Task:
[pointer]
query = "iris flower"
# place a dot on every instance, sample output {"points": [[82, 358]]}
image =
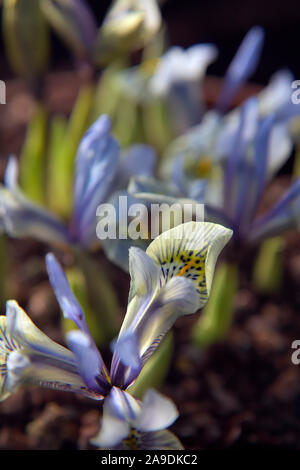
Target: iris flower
{"points": [[175, 78], [226, 161], [173, 278], [233, 198], [99, 170]]}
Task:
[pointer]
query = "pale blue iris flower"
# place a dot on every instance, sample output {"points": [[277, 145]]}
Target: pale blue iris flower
{"points": [[173, 278], [100, 169], [176, 78], [256, 147], [226, 161]]}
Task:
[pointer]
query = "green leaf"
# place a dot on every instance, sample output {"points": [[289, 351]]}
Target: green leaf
{"points": [[157, 125], [268, 268], [296, 169], [216, 317], [62, 168], [32, 159], [155, 370], [26, 38], [107, 93], [57, 132], [102, 296]]}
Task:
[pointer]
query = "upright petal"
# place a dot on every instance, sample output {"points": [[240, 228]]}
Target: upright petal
{"points": [[242, 66], [177, 283], [177, 80], [84, 346], [67, 301], [96, 168], [190, 250]]}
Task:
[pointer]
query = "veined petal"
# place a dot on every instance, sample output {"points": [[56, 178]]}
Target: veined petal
{"points": [[29, 357], [145, 279], [151, 320], [89, 362], [158, 412], [126, 349], [96, 168], [119, 409], [71, 309], [21, 218], [144, 272], [178, 297], [190, 250], [23, 331], [186, 257]]}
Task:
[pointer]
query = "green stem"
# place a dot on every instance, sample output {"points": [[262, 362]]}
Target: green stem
{"points": [[216, 318], [102, 297], [267, 274]]}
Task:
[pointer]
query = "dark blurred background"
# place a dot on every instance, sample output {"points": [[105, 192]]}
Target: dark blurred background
{"points": [[221, 22]]}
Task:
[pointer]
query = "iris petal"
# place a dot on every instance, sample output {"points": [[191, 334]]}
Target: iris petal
{"points": [[178, 284], [190, 250], [71, 309], [242, 66], [158, 412], [96, 168], [89, 362], [68, 303], [21, 218], [119, 410], [29, 357]]}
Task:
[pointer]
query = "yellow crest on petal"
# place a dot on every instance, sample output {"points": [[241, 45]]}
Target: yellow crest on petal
{"points": [[190, 250]]}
